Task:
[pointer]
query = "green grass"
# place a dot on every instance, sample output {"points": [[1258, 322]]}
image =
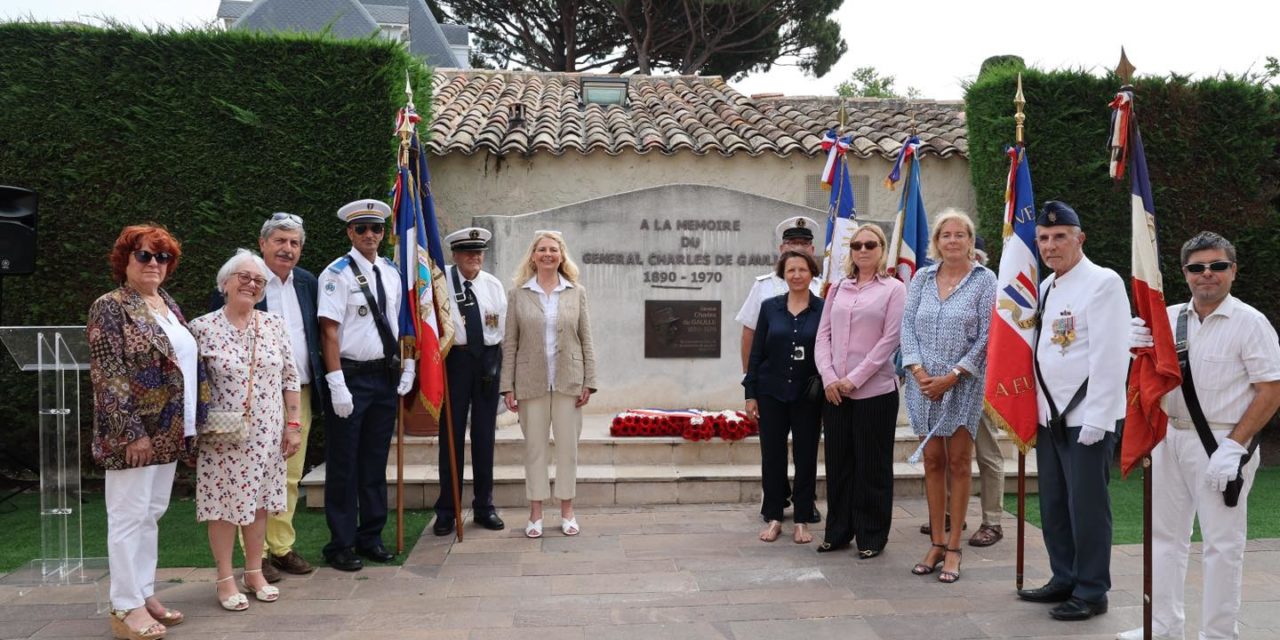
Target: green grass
{"points": [[1126, 507], [183, 541]]}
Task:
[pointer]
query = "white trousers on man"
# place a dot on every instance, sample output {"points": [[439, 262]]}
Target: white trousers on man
{"points": [[1179, 495], [136, 498]]}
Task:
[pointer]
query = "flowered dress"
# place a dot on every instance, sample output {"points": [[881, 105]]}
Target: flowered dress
{"points": [[233, 481]]}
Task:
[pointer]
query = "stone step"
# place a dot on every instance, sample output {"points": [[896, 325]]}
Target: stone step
{"points": [[635, 484]]}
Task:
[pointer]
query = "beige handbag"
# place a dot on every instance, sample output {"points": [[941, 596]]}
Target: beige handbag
{"points": [[231, 427]]}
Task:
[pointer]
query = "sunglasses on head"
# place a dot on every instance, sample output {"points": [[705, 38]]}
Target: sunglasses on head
{"points": [[143, 256], [1199, 267], [376, 228], [869, 245], [286, 216]]}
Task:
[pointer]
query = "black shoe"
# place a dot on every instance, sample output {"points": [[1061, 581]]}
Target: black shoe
{"points": [[490, 521], [377, 553], [828, 547], [867, 554], [1077, 609], [814, 519], [344, 560], [1049, 593], [443, 525]]}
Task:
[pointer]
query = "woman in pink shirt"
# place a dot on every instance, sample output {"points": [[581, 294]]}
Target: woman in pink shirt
{"points": [[857, 336]]}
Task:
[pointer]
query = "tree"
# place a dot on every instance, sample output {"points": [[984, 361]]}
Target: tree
{"points": [[724, 37], [866, 82]]}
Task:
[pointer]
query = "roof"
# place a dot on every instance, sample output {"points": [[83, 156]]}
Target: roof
{"points": [[233, 8], [472, 112], [457, 34], [386, 14]]}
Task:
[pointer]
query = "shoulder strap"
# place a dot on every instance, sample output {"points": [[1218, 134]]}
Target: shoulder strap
{"points": [[1035, 359], [1188, 384], [459, 295], [379, 319]]}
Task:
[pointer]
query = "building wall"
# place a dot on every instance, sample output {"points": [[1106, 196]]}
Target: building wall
{"points": [[485, 184]]}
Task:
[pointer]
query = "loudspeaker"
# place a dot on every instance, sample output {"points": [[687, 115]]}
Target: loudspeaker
{"points": [[17, 231]]}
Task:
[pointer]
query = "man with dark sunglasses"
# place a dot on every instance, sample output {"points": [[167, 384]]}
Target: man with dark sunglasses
{"points": [[359, 322], [1233, 357]]}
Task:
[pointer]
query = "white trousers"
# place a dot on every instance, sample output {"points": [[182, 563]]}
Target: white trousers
{"points": [[540, 419], [1179, 496], [136, 498]]}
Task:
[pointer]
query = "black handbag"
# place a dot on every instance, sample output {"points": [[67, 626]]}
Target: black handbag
{"points": [[813, 390]]}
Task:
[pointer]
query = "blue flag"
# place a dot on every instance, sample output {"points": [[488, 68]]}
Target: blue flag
{"points": [[910, 242], [841, 211]]}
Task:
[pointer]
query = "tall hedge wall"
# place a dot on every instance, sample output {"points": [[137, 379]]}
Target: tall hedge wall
{"points": [[207, 133], [1213, 149]]}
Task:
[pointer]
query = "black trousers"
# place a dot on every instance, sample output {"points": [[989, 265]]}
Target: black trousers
{"points": [[1075, 510], [355, 454], [473, 390], [800, 418], [859, 451]]}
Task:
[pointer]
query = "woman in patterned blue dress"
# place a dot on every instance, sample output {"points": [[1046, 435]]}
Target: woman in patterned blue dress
{"points": [[944, 347]]}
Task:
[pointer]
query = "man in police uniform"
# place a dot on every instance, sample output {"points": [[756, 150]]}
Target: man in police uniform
{"points": [[1235, 369], [1080, 361], [479, 313], [794, 234], [359, 308]]}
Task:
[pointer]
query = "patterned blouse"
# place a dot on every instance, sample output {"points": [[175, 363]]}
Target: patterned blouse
{"points": [[942, 334]]}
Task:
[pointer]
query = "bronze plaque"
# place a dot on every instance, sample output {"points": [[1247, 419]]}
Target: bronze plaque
{"points": [[682, 328]]}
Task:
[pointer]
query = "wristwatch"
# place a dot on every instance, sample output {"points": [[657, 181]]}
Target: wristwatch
{"points": [[959, 373]]}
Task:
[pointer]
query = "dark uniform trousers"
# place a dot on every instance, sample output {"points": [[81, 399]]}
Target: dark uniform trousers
{"points": [[1075, 510], [859, 456], [802, 419], [356, 448], [473, 388]]}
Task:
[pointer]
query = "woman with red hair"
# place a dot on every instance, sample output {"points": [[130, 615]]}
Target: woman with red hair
{"points": [[149, 392]]}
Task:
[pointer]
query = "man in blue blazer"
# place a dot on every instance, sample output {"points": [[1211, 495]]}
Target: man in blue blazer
{"points": [[291, 293]]}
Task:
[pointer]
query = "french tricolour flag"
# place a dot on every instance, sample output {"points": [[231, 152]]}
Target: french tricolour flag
{"points": [[910, 241]]}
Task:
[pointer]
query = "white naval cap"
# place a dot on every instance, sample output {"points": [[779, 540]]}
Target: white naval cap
{"points": [[795, 228], [469, 239], [364, 211]]}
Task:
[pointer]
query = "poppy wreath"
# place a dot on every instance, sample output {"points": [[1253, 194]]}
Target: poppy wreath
{"points": [[690, 424]]}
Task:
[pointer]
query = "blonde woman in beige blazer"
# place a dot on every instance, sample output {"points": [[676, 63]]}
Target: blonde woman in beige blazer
{"points": [[547, 314]]}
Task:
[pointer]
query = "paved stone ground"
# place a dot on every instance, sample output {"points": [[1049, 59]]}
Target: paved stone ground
{"points": [[669, 572]]}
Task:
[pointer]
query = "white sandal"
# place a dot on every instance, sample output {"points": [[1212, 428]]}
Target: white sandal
{"points": [[236, 602], [265, 594], [570, 527], [533, 529]]}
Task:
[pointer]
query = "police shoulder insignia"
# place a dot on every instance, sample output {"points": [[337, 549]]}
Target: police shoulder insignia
{"points": [[338, 265], [330, 287]]}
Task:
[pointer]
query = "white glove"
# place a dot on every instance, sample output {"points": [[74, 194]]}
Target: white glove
{"points": [[339, 395], [1139, 334], [1090, 435], [406, 378], [1224, 464]]}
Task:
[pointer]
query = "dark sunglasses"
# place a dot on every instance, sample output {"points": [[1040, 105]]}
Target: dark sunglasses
{"points": [[143, 256], [870, 245], [376, 228], [1199, 267]]}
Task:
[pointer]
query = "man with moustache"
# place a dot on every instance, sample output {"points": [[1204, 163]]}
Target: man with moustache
{"points": [[1233, 357], [1080, 362], [359, 307], [479, 313], [291, 293]]}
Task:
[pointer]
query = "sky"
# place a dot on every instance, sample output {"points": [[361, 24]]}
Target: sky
{"points": [[932, 45]]}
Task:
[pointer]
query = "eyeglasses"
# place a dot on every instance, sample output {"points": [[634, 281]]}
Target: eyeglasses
{"points": [[1216, 267], [869, 245], [280, 215], [143, 256], [376, 228], [247, 278]]}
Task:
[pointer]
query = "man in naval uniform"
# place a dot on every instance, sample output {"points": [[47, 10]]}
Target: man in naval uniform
{"points": [[479, 313], [359, 307], [1081, 358], [794, 234], [1234, 360]]}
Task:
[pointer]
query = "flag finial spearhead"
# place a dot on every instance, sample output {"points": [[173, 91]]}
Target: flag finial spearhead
{"points": [[1125, 68], [1019, 118]]}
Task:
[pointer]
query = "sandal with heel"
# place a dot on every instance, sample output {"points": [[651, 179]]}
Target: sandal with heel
{"points": [[122, 631], [922, 569], [265, 594], [234, 602], [950, 577]]}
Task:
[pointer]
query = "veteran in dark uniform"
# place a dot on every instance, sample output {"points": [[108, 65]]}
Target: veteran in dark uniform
{"points": [[1081, 358], [479, 313], [358, 308]]}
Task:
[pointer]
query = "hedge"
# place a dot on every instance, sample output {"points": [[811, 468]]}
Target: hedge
{"points": [[206, 132], [1213, 150]]}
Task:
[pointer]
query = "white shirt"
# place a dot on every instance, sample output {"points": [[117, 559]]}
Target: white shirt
{"points": [[767, 286], [550, 311], [282, 299], [1233, 348], [185, 350], [492, 299], [1090, 303], [342, 301]]}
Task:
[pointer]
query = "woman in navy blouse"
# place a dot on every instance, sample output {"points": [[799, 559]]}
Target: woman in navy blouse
{"points": [[778, 374]]}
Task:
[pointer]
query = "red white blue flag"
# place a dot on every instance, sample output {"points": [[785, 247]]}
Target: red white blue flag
{"points": [[1010, 390], [910, 242], [841, 211]]}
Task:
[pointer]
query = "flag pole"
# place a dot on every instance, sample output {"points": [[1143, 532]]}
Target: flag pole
{"points": [[405, 352], [1019, 119]]}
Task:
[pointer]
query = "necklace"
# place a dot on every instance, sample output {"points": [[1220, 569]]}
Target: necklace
{"points": [[158, 308]]}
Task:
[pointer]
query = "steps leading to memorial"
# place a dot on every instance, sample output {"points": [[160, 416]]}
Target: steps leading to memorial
{"points": [[639, 470]]}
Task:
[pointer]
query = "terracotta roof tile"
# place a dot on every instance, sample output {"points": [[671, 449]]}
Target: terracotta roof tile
{"points": [[671, 114]]}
